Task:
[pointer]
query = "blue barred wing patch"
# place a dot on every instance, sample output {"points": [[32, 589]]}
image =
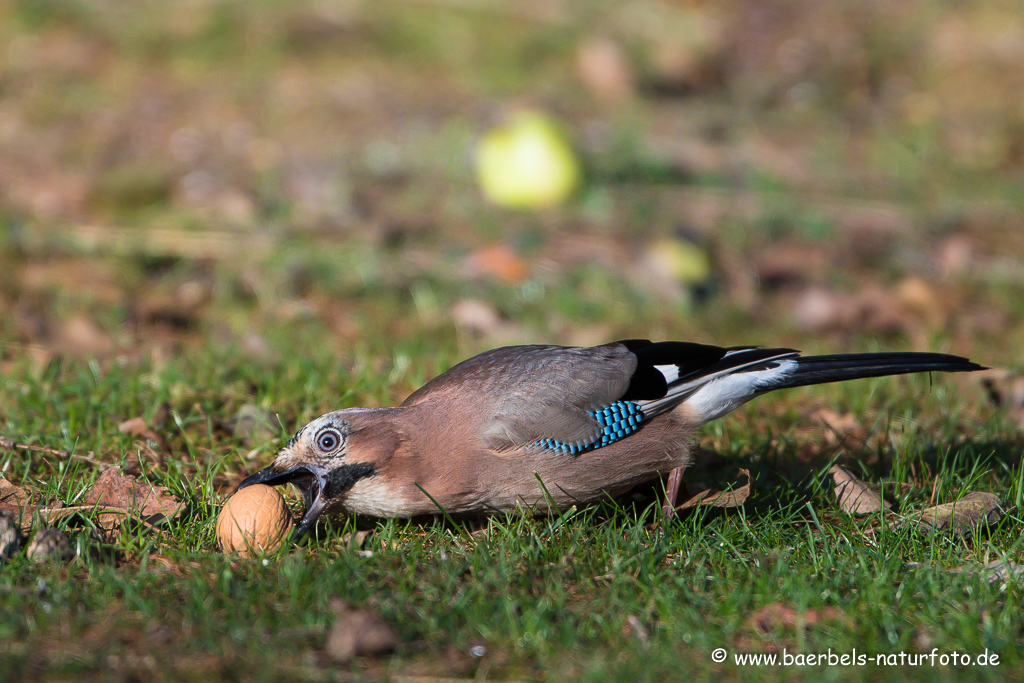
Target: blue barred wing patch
{"points": [[618, 420]]}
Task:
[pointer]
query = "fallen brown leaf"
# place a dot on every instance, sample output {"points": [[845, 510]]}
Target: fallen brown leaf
{"points": [[13, 497], [720, 499], [137, 426], [357, 632], [18, 501], [118, 490], [963, 516], [109, 515], [122, 495], [50, 515], [855, 497]]}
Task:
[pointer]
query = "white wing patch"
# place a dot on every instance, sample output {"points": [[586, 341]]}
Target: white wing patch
{"points": [[671, 372], [728, 392]]}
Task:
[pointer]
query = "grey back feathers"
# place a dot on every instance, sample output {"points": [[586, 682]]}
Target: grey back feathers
{"points": [[522, 395], [529, 393]]}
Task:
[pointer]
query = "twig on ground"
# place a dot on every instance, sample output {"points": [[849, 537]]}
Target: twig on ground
{"points": [[90, 457]]}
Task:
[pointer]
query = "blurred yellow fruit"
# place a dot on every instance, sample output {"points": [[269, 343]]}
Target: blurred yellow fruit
{"points": [[527, 163], [680, 260]]}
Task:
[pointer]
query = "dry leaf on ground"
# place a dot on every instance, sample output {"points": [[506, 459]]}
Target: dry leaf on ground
{"points": [[18, 501], [50, 515], [137, 426], [13, 497], [114, 496], [963, 516], [123, 495], [720, 499], [357, 632], [854, 496]]}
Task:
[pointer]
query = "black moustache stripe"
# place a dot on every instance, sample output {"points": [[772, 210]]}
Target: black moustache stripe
{"points": [[341, 479]]}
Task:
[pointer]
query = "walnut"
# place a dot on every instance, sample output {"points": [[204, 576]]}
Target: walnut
{"points": [[254, 520]]}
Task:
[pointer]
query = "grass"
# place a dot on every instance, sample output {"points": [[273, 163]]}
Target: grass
{"points": [[327, 154], [594, 594]]}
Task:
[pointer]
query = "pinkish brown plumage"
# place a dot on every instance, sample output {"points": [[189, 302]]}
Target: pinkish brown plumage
{"points": [[587, 422]]}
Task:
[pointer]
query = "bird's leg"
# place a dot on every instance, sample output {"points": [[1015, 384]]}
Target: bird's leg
{"points": [[675, 484]]}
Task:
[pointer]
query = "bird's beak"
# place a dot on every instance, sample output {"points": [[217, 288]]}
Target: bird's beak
{"points": [[308, 480]]}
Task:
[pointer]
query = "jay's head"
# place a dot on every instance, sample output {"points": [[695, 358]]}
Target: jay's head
{"points": [[325, 460]]}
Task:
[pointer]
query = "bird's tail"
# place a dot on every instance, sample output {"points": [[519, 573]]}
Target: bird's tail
{"points": [[743, 373]]}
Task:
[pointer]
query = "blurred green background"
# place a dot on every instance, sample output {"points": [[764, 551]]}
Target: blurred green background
{"points": [[823, 174]]}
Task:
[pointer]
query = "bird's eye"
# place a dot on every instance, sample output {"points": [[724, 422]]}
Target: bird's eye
{"points": [[328, 440]]}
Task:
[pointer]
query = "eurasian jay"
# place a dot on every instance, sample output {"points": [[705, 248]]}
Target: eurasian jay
{"points": [[586, 422]]}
